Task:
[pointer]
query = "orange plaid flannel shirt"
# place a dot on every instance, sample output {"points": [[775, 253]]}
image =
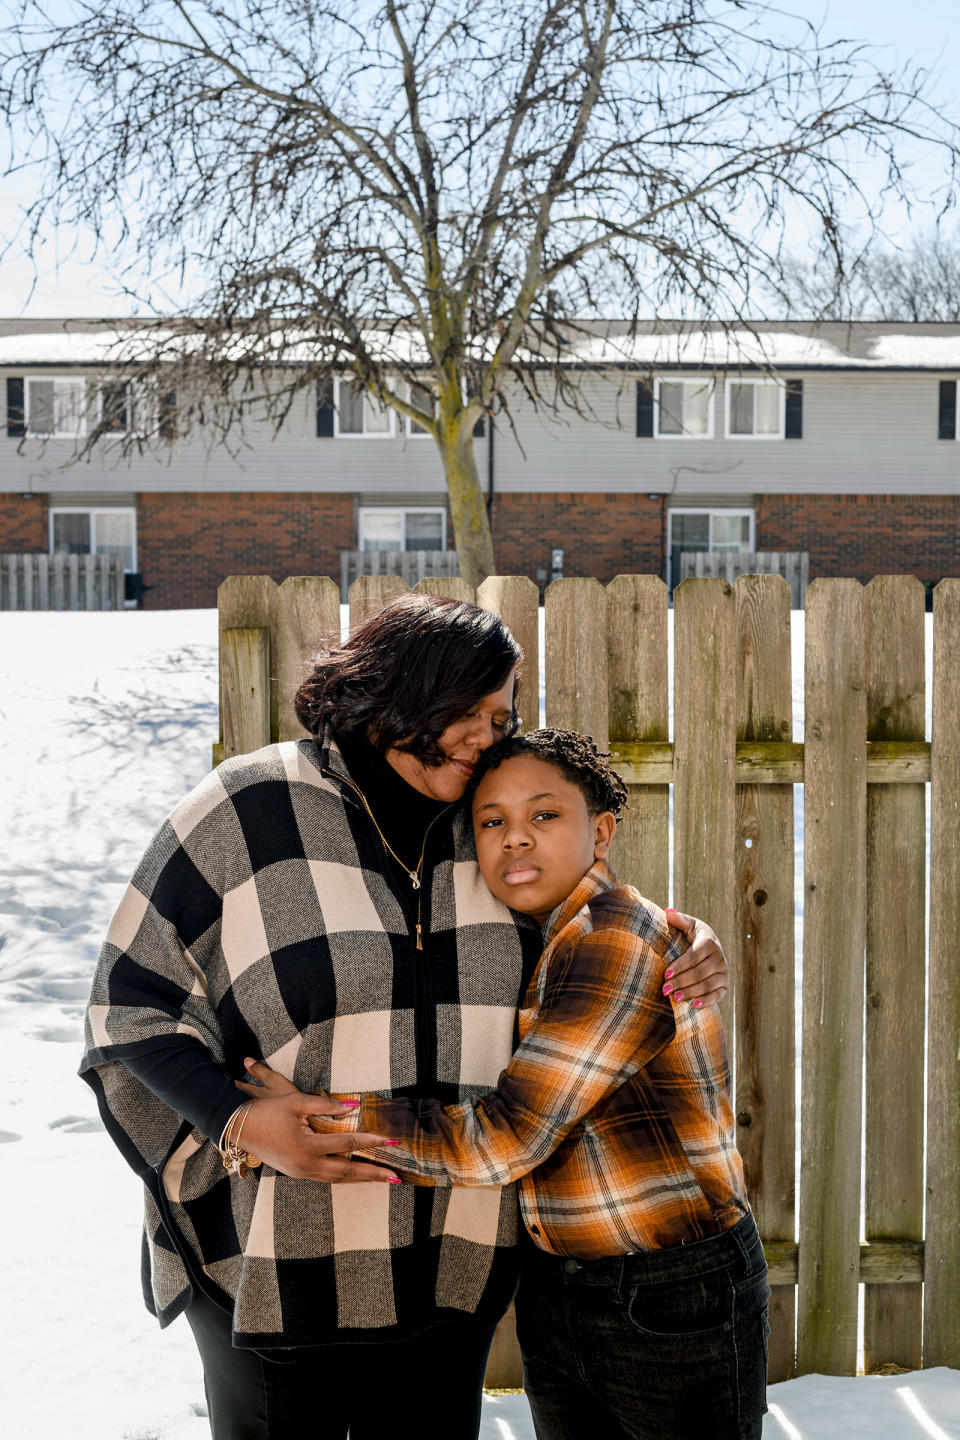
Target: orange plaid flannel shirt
{"points": [[614, 1113]]}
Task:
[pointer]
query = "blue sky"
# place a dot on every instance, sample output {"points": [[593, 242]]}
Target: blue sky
{"points": [[922, 30]]}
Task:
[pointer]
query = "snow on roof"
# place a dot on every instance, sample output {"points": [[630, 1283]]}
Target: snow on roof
{"points": [[779, 345]]}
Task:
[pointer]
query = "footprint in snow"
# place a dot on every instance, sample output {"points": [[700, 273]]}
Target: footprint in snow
{"points": [[77, 1124]]}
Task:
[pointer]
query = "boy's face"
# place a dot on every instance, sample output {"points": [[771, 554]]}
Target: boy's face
{"points": [[535, 837]]}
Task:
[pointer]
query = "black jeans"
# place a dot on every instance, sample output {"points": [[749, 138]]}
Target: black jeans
{"points": [[665, 1345], [330, 1391]]}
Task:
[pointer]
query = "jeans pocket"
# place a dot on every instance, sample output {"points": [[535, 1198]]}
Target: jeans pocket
{"points": [[695, 1308]]}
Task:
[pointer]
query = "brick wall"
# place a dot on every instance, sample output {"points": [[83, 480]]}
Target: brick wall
{"points": [[859, 536], [600, 535], [188, 543], [23, 525]]}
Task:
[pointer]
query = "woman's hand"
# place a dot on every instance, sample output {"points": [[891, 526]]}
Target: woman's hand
{"points": [[701, 974], [277, 1130]]}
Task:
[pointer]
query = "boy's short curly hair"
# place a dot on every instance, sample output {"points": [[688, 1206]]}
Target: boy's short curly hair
{"points": [[575, 755]]}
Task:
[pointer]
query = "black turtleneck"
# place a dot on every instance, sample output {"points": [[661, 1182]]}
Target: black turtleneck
{"points": [[402, 813]]}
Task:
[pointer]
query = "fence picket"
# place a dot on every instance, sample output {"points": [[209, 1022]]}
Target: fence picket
{"points": [[246, 689], [576, 657], [835, 798], [639, 710], [308, 612], [73, 582], [515, 599], [450, 587], [88, 577], [896, 872], [249, 602], [941, 1312], [369, 593], [59, 582], [705, 736], [765, 1043], [43, 582]]}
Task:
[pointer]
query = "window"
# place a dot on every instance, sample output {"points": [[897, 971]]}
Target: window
{"points": [[359, 413], [423, 398], [683, 409], [708, 531], [947, 427], [418, 528], [57, 407], [116, 407], [755, 409], [78, 531]]}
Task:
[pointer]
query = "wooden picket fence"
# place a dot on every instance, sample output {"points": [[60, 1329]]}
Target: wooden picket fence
{"points": [[61, 582], [729, 565], [732, 765]]}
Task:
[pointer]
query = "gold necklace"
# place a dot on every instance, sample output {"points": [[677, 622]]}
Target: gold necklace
{"points": [[413, 875]]}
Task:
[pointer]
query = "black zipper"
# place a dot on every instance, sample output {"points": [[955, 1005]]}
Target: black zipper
{"points": [[424, 1010]]}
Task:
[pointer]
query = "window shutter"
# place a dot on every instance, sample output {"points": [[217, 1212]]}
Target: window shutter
{"points": [[947, 426], [325, 410], [167, 415], [16, 420], [644, 411], [793, 414]]}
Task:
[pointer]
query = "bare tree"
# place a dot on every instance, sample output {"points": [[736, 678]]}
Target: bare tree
{"points": [[436, 198], [920, 282]]}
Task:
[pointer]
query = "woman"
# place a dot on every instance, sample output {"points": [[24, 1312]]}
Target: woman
{"points": [[317, 905]]}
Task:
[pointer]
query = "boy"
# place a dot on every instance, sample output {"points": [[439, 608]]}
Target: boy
{"points": [[642, 1305]]}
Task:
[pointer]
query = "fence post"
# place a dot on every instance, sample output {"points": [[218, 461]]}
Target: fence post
{"points": [[246, 690], [941, 1312], [308, 612], [896, 874], [576, 656], [639, 710], [835, 801], [765, 1039], [516, 600], [704, 791]]}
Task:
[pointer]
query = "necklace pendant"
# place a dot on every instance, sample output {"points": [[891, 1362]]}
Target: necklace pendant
{"points": [[414, 879]]}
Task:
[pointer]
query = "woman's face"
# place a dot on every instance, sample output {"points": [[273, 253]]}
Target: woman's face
{"points": [[460, 744]]}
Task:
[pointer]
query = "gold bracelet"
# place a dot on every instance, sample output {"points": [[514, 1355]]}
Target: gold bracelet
{"points": [[239, 1161]]}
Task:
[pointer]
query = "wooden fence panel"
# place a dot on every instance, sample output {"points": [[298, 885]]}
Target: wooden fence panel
{"points": [[308, 612], [705, 737], [896, 874], [246, 690], [369, 593], [941, 1307], [516, 599], [835, 798], [249, 602], [639, 711], [576, 657], [765, 1037]]}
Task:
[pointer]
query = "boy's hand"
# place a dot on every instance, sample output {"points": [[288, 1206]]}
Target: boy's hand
{"points": [[701, 974]]}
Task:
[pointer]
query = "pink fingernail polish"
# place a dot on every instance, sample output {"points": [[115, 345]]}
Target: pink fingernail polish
{"points": [[667, 989], [391, 1142], [350, 1104], [668, 974], [697, 1004], [395, 1181], [679, 995]]}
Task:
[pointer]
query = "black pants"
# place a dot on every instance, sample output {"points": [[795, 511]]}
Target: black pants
{"points": [[328, 1392], [669, 1345]]}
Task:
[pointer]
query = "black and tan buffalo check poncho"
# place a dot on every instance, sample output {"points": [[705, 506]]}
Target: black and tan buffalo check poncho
{"points": [[263, 921]]}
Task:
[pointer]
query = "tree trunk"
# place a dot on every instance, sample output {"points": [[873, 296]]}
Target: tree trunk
{"points": [[467, 509]]}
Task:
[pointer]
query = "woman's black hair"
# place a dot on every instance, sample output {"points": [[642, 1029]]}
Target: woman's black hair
{"points": [[575, 755], [407, 673]]}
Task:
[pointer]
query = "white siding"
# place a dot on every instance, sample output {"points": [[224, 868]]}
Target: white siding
{"points": [[863, 433]]}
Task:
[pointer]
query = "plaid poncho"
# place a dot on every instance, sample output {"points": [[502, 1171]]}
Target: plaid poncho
{"points": [[263, 921]]}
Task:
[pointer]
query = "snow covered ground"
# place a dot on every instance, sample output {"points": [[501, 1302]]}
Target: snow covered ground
{"points": [[105, 721]]}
